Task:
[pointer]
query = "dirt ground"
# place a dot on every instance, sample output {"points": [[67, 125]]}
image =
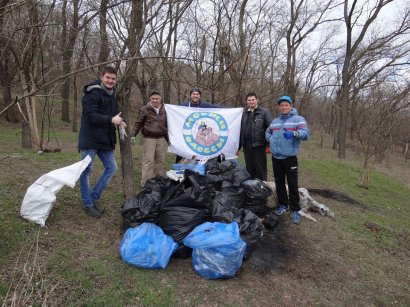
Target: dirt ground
{"points": [[292, 264], [287, 268]]}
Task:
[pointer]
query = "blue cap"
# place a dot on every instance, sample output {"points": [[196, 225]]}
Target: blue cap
{"points": [[284, 98]]}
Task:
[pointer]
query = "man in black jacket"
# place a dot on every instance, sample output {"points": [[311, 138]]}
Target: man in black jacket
{"points": [[195, 101], [99, 120], [255, 121]]}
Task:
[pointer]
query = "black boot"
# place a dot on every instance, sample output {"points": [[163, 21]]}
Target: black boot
{"points": [[92, 211], [98, 207]]}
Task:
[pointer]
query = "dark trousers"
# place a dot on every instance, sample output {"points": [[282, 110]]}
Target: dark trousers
{"points": [[255, 160], [287, 170], [178, 158]]}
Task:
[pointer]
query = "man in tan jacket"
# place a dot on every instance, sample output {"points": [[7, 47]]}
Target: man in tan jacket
{"points": [[152, 122]]}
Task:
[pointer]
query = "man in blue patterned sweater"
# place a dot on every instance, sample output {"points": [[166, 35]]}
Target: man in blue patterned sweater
{"points": [[284, 135]]}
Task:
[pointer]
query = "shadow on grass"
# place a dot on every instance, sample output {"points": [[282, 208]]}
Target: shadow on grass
{"points": [[339, 196]]}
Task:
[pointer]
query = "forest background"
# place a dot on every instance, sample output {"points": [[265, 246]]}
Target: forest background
{"points": [[346, 64]]}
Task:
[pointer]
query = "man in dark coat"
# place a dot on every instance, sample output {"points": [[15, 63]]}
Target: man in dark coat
{"points": [[97, 137], [255, 120], [195, 100]]}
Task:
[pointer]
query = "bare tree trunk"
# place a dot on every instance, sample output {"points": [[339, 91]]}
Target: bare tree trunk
{"points": [[322, 133], [78, 64], [69, 36], [330, 124], [124, 91], [12, 114], [30, 110], [288, 77], [335, 134], [343, 103], [75, 104], [65, 96], [365, 178], [7, 67], [179, 91], [25, 135], [127, 165], [355, 36], [103, 55], [406, 150]]}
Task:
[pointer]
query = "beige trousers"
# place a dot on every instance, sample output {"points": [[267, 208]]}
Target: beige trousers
{"points": [[153, 158]]}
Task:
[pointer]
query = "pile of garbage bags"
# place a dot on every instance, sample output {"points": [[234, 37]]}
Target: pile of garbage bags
{"points": [[223, 207]]}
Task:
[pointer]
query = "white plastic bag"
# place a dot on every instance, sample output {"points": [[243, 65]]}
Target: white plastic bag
{"points": [[41, 195]]}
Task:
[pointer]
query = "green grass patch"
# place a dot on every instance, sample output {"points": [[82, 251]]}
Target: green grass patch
{"points": [[334, 261], [386, 199]]}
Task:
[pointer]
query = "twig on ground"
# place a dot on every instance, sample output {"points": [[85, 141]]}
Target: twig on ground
{"points": [[30, 286]]}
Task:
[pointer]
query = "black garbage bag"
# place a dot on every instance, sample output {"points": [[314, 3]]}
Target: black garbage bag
{"points": [[183, 252], [240, 174], [250, 229], [257, 193], [161, 184], [270, 221], [174, 192], [207, 180], [144, 207], [178, 221], [224, 202], [226, 170], [217, 168], [184, 208]]}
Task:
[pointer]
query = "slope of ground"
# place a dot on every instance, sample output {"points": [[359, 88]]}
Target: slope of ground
{"points": [[74, 260]]}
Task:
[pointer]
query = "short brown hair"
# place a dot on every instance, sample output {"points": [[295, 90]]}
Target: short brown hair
{"points": [[251, 94], [154, 92], [108, 70]]}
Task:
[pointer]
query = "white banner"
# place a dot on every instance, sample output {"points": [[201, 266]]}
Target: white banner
{"points": [[203, 133]]}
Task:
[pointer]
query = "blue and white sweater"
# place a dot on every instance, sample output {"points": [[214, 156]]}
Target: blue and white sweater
{"points": [[280, 147]]}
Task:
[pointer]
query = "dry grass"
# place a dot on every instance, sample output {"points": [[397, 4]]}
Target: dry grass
{"points": [[74, 261]]}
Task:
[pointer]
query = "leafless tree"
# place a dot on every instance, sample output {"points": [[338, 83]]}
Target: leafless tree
{"points": [[360, 49], [226, 47], [104, 50], [70, 30], [166, 38], [8, 68], [242, 30], [75, 17], [379, 109], [305, 16], [135, 35], [141, 14], [25, 52]]}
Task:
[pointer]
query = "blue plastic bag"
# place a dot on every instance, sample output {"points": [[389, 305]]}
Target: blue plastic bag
{"points": [[212, 234], [217, 249], [219, 262], [199, 168], [146, 246]]}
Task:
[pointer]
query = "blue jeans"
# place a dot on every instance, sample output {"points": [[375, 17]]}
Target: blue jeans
{"points": [[110, 167]]}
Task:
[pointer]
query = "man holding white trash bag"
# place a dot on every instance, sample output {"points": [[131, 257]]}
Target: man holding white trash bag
{"points": [[99, 120]]}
